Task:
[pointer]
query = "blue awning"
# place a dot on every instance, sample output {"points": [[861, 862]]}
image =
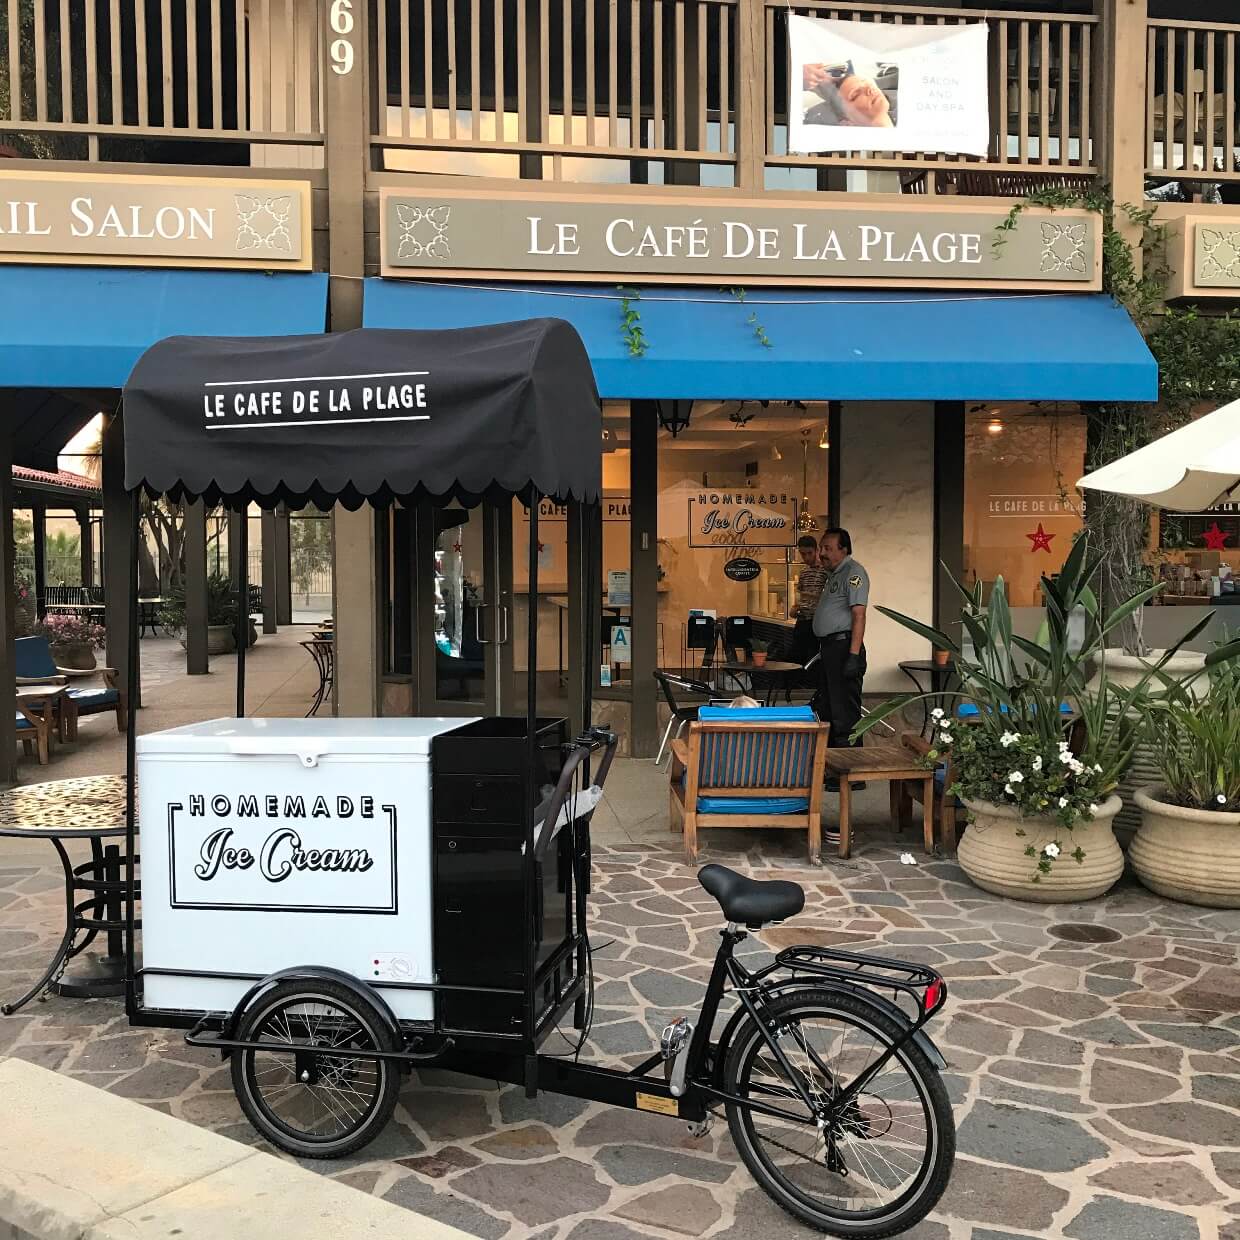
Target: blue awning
{"points": [[85, 327], [824, 344]]}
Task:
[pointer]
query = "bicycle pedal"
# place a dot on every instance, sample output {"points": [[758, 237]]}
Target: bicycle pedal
{"points": [[700, 1127], [674, 1045]]}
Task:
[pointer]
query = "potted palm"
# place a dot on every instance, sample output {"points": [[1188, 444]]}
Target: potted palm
{"points": [[1038, 751], [72, 639], [221, 614], [1188, 844]]}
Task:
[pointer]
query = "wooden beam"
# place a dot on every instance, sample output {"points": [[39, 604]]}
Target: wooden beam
{"points": [[86, 546], [948, 512], [269, 570], [38, 515], [284, 584], [196, 663], [644, 575], [117, 535], [8, 683]]}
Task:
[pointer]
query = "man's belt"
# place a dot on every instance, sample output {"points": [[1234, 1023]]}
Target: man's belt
{"points": [[843, 635]]}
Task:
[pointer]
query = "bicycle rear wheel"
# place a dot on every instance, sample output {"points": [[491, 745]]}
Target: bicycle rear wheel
{"points": [[883, 1164]]}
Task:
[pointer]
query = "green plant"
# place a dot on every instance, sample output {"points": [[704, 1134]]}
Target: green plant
{"points": [[631, 322], [758, 646], [221, 604], [1020, 751], [758, 329], [1196, 741]]}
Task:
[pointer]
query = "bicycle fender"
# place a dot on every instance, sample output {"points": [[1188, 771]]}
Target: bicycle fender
{"points": [[921, 1038], [309, 973]]}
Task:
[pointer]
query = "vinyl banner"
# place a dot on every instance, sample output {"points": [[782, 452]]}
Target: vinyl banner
{"points": [[869, 86]]}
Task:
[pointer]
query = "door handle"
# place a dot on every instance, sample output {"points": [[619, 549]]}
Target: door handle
{"points": [[482, 641], [503, 611]]}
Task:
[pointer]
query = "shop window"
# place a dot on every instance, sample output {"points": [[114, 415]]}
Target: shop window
{"points": [[1022, 510]]}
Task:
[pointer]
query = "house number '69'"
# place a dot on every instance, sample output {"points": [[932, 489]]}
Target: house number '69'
{"points": [[340, 18]]}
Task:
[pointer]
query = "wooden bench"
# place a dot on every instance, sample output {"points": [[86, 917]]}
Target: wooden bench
{"points": [[729, 763]]}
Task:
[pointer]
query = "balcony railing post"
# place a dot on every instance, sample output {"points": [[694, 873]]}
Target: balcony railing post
{"points": [[751, 95], [1121, 102]]}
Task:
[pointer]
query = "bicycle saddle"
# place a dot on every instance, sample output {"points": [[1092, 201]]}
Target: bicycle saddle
{"points": [[748, 901]]}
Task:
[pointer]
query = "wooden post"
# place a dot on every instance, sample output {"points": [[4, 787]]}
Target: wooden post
{"points": [[751, 96], [117, 534], [196, 589], [38, 513], [284, 584], [948, 512], [644, 575], [269, 570], [8, 683], [86, 546], [1120, 107]]}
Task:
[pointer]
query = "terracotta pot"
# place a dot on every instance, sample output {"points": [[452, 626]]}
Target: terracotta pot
{"points": [[78, 656], [941, 657], [759, 658], [992, 854], [1186, 854], [1124, 671]]}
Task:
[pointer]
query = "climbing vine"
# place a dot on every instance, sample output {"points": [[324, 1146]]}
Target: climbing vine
{"points": [[631, 322], [759, 331], [1198, 360]]}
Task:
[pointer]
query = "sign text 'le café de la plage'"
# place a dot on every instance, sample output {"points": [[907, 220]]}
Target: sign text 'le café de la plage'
{"points": [[460, 232], [58, 217]]}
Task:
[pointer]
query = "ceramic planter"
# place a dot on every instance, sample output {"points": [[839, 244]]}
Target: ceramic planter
{"points": [[1124, 671], [992, 854], [1186, 854], [77, 656]]}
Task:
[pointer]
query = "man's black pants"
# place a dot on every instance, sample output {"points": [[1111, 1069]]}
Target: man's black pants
{"points": [[838, 700]]}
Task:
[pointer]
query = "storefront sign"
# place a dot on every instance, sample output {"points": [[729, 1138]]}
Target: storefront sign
{"points": [[66, 217], [459, 232], [742, 519], [873, 86], [614, 508], [282, 853], [742, 569]]}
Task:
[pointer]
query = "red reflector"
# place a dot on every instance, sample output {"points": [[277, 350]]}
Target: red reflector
{"points": [[934, 992]]}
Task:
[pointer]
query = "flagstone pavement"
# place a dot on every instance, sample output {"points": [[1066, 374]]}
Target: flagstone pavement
{"points": [[1096, 1085]]}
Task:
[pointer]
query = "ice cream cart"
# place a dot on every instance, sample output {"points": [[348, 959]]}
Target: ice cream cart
{"points": [[330, 902]]}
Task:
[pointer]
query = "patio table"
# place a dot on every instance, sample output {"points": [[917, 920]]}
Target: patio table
{"points": [[776, 669], [322, 651], [92, 809]]}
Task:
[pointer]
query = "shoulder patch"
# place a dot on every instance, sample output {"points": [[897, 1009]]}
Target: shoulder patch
{"points": [[855, 580]]}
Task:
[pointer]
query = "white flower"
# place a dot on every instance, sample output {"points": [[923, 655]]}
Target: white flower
{"points": [[1063, 802], [946, 723], [1037, 762], [1093, 809], [945, 739], [1009, 790], [907, 859], [1065, 756], [1097, 768], [937, 713], [1051, 850], [1016, 778], [1008, 738], [1222, 800]]}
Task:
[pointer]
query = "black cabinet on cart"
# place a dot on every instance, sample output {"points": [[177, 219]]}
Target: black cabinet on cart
{"points": [[483, 793]]}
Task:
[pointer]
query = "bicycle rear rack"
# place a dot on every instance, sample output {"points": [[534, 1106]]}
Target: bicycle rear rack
{"points": [[923, 984]]}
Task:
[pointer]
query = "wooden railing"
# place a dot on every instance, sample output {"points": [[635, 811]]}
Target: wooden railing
{"points": [[634, 79], [1042, 98], [77, 75], [1191, 109]]}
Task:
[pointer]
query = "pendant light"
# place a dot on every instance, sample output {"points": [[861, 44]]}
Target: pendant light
{"points": [[805, 521]]}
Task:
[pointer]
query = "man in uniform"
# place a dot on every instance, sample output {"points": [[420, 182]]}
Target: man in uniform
{"points": [[839, 625]]}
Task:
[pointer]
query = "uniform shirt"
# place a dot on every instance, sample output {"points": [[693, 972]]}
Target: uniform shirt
{"points": [[810, 585], [847, 587]]}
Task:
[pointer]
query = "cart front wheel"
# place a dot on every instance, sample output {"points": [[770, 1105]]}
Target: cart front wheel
{"points": [[308, 1100]]}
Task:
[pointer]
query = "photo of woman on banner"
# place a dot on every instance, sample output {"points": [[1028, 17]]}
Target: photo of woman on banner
{"points": [[905, 88], [839, 94]]}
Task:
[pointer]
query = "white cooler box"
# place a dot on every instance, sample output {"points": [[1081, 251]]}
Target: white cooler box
{"points": [[269, 843]]}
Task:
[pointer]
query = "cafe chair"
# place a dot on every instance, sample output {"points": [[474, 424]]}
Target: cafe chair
{"points": [[682, 716], [945, 805], [36, 722], [701, 633], [749, 767], [35, 666]]}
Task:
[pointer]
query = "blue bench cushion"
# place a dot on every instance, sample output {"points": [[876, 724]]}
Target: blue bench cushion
{"points": [[94, 699], [755, 714], [967, 710], [23, 722]]}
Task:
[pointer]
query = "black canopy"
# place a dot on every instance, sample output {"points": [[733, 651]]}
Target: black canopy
{"points": [[366, 415]]}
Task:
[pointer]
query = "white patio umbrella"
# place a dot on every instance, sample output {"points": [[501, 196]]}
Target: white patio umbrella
{"points": [[1189, 470]]}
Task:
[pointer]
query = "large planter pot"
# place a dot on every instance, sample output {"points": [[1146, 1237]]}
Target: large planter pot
{"points": [[77, 656], [220, 639], [992, 854], [1124, 671], [1185, 854]]}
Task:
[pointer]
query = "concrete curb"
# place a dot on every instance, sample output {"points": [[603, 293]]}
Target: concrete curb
{"points": [[78, 1163]]}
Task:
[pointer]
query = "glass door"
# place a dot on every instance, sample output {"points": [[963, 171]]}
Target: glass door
{"points": [[463, 634]]}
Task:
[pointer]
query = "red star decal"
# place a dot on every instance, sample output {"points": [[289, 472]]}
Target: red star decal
{"points": [[456, 546], [1041, 540], [1216, 539], [541, 547]]}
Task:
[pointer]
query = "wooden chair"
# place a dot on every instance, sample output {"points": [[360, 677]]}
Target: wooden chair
{"points": [[37, 719], [750, 767], [944, 808], [35, 666]]}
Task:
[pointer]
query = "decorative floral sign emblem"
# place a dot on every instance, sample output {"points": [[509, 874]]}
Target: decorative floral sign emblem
{"points": [[423, 231], [1220, 254], [263, 223], [1063, 247]]}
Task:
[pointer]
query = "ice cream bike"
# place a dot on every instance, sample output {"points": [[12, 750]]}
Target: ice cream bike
{"points": [[330, 903]]}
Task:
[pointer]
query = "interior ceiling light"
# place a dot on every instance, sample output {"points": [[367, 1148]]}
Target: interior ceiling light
{"points": [[995, 426], [823, 441], [776, 454]]}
